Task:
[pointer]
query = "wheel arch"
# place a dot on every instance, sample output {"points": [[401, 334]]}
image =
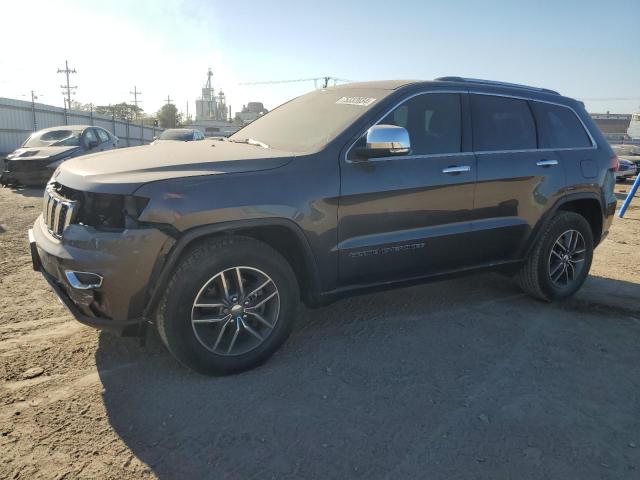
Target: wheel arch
{"points": [[587, 204], [295, 249], [591, 210]]}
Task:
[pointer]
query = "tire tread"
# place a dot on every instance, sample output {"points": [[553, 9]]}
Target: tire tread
{"points": [[528, 278], [191, 259]]}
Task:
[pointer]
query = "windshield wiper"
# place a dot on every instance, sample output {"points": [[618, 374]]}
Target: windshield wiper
{"points": [[251, 141]]}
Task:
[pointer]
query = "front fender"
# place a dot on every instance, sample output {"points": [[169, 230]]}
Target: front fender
{"points": [[166, 265]]}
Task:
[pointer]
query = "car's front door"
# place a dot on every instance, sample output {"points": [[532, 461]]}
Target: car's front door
{"points": [[90, 141], [408, 216], [106, 142]]}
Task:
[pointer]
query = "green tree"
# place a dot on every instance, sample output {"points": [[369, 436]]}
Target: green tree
{"points": [[83, 107], [121, 110], [168, 116]]}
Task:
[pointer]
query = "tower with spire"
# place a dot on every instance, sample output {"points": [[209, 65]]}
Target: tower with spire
{"points": [[211, 106]]}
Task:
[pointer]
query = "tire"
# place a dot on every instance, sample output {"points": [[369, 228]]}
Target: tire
{"points": [[194, 309], [538, 274]]}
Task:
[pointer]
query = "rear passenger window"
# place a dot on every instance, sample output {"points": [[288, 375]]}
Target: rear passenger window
{"points": [[501, 123], [559, 127], [433, 121], [104, 136]]}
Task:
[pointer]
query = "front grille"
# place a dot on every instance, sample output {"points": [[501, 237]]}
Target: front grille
{"points": [[58, 212]]}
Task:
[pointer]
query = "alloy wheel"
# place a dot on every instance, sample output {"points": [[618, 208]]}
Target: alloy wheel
{"points": [[235, 311], [566, 259]]}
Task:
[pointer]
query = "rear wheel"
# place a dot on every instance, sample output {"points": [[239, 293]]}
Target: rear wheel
{"points": [[559, 263], [229, 306]]}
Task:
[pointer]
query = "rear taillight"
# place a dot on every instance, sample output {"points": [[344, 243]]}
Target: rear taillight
{"points": [[615, 163]]}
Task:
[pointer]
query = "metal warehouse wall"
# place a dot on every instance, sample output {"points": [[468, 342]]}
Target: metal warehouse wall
{"points": [[19, 118]]}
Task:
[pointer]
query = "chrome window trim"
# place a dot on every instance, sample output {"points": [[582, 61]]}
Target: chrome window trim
{"points": [[593, 146], [413, 157], [531, 150]]}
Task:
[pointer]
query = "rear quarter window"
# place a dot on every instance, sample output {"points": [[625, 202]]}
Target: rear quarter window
{"points": [[559, 127], [501, 123]]}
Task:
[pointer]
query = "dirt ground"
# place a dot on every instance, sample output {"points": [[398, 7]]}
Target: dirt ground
{"points": [[466, 378]]}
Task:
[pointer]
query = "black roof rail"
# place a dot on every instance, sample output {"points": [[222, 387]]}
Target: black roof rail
{"points": [[493, 82]]}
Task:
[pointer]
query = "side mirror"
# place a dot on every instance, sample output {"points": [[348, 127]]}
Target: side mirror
{"points": [[385, 141]]}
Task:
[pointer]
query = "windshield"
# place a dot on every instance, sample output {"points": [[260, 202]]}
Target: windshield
{"points": [[308, 123], [179, 135], [54, 138]]}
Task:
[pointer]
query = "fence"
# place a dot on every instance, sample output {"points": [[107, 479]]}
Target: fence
{"points": [[18, 119]]}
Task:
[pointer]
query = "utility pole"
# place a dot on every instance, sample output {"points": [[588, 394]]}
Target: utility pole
{"points": [[135, 94], [67, 87], [168, 100], [33, 110]]}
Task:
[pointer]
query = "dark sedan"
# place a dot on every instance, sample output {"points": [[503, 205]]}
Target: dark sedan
{"points": [[35, 161], [179, 135]]}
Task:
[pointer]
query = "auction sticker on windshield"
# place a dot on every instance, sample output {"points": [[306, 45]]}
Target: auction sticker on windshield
{"points": [[360, 101]]}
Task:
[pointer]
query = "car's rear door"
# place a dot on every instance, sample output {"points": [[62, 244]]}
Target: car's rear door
{"points": [[561, 130], [408, 216], [517, 180]]}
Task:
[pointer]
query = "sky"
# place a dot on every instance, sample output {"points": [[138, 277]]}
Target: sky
{"points": [[584, 49]]}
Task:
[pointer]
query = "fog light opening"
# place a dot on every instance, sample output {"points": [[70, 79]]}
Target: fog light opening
{"points": [[83, 280]]}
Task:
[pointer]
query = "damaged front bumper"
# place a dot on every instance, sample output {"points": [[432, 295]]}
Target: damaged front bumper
{"points": [[126, 261], [36, 178]]}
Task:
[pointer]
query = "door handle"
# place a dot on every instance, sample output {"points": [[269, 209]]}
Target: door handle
{"points": [[547, 163], [457, 169]]}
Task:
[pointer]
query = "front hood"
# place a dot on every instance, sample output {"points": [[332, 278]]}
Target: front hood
{"points": [[126, 169], [41, 153]]}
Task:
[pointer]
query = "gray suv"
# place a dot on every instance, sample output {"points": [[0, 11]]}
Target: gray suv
{"points": [[344, 189]]}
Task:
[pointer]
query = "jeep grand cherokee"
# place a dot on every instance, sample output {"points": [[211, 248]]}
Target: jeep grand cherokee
{"points": [[343, 189]]}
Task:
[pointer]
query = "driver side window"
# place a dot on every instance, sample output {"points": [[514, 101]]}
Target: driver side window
{"points": [[90, 136], [433, 120]]}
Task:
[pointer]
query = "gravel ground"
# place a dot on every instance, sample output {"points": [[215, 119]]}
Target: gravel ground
{"points": [[466, 378]]}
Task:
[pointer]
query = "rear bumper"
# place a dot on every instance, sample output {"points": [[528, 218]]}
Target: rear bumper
{"points": [[607, 219], [125, 260]]}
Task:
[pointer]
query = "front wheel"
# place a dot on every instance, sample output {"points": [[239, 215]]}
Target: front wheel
{"points": [[229, 306], [559, 263]]}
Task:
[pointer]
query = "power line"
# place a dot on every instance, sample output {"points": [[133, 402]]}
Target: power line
{"points": [[325, 81], [609, 99], [279, 81], [66, 70]]}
